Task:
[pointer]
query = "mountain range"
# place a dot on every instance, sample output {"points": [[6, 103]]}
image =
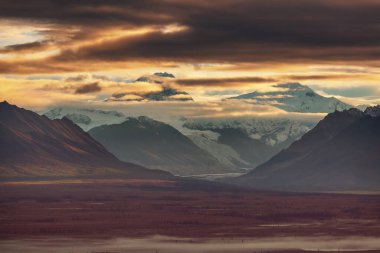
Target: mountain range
{"points": [[253, 140], [159, 136], [157, 145], [340, 154], [295, 97], [233, 143], [205, 146], [36, 146]]}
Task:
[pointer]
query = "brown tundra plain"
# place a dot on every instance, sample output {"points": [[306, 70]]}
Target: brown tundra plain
{"points": [[171, 216]]}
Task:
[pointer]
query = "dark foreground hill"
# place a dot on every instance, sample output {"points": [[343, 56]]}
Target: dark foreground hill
{"points": [[35, 146], [341, 153]]}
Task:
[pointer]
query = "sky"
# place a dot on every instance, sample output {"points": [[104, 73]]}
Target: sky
{"points": [[81, 53]]}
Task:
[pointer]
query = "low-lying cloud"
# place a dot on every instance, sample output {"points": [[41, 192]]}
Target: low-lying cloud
{"points": [[229, 81], [88, 88]]}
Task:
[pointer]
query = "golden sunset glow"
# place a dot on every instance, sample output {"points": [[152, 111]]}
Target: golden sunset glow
{"points": [[184, 126], [212, 57]]}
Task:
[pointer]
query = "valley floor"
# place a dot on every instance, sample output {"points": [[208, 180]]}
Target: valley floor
{"points": [[167, 214]]}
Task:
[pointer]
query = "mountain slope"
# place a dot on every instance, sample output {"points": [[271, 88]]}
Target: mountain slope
{"points": [[225, 154], [33, 145], [156, 145], [252, 141], [340, 153], [295, 97], [250, 150]]}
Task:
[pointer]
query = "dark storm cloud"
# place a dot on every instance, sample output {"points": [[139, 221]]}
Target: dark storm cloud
{"points": [[88, 88], [86, 12], [234, 30]]}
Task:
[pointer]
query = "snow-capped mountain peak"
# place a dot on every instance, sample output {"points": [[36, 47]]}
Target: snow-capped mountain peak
{"points": [[373, 111], [270, 131], [295, 97], [86, 118], [167, 92], [164, 74]]}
